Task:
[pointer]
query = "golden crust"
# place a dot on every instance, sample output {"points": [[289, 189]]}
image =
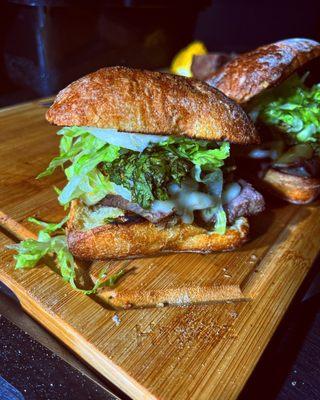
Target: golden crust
{"points": [[251, 73], [145, 239], [148, 102], [295, 189]]}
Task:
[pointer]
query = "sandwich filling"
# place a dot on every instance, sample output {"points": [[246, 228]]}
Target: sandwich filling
{"points": [[121, 177], [289, 119]]}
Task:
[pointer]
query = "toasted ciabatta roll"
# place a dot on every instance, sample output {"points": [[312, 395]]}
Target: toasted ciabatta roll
{"points": [[148, 102], [152, 103], [252, 74], [140, 238], [295, 189]]}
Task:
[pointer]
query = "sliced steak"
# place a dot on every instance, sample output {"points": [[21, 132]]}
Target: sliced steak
{"points": [[248, 202], [114, 200]]}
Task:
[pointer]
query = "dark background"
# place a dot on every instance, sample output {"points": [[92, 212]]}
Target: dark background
{"points": [[46, 44]]}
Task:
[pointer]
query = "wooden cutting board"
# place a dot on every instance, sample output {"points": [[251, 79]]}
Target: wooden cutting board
{"points": [[202, 346]]}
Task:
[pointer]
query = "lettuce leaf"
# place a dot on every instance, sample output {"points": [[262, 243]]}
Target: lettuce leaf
{"points": [[49, 227], [31, 251], [200, 152], [90, 187], [80, 154], [294, 109]]}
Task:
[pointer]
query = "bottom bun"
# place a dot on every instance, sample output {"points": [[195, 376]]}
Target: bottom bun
{"points": [[292, 188], [143, 238]]}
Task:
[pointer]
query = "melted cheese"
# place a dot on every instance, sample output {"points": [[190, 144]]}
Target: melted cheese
{"points": [[185, 199]]}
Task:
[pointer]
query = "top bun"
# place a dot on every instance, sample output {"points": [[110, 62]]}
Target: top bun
{"points": [[148, 102], [249, 74]]}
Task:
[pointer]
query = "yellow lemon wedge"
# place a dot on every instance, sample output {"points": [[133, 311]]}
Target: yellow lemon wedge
{"points": [[181, 64]]}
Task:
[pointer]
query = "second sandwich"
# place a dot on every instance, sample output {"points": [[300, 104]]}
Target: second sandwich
{"points": [[278, 85]]}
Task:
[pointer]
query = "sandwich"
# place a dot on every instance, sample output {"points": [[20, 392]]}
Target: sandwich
{"points": [[278, 86], [146, 156], [147, 161]]}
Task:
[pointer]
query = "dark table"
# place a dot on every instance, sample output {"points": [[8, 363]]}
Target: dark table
{"points": [[35, 366]]}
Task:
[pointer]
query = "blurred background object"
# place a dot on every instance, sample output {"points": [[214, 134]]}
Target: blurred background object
{"points": [[241, 25], [181, 64], [45, 44]]}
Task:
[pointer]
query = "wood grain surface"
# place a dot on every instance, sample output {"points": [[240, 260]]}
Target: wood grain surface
{"points": [[187, 351]]}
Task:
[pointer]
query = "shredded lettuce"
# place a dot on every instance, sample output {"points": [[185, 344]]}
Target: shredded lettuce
{"points": [[294, 109], [82, 152], [199, 152], [31, 251], [90, 187], [141, 176], [137, 167]]}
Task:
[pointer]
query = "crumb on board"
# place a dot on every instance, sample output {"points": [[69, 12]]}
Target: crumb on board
{"points": [[253, 259], [226, 273], [233, 314], [116, 319]]}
